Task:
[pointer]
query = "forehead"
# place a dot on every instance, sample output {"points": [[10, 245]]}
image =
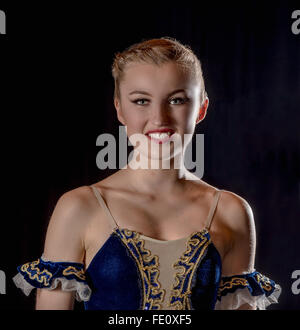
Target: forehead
{"points": [[151, 77]]}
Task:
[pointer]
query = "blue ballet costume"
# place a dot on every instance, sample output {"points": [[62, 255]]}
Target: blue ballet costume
{"points": [[125, 274]]}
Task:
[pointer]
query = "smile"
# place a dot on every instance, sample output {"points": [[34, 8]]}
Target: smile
{"points": [[159, 138]]}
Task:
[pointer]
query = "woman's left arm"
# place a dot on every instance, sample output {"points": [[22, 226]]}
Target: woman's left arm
{"points": [[240, 257]]}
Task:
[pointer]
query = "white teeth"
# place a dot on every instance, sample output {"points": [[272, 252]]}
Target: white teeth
{"points": [[160, 135]]}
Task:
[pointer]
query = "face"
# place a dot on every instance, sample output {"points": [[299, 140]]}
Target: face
{"points": [[154, 97]]}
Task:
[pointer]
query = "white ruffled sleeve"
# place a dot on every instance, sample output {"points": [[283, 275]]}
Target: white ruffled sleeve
{"points": [[252, 288], [46, 274]]}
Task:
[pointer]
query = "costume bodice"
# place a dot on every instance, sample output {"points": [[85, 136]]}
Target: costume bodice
{"points": [[132, 271]]}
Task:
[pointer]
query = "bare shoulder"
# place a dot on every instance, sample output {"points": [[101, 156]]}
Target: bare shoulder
{"points": [[78, 198], [235, 211], [67, 225], [237, 216], [75, 204]]}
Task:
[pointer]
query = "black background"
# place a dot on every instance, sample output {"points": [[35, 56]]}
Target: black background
{"points": [[56, 98]]}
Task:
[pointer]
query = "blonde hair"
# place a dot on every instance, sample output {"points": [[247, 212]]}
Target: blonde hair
{"points": [[157, 51]]}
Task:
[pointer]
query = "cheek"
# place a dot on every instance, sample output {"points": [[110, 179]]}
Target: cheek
{"points": [[134, 121], [188, 119]]}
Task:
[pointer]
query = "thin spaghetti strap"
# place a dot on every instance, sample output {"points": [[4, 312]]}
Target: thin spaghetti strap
{"points": [[104, 206], [212, 209]]}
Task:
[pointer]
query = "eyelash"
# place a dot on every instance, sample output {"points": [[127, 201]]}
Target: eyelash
{"points": [[182, 100]]}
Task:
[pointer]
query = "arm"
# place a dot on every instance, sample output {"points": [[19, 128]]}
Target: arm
{"points": [[241, 255], [65, 242]]}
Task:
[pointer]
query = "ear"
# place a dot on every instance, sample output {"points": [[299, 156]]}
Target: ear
{"points": [[119, 111], [203, 110]]}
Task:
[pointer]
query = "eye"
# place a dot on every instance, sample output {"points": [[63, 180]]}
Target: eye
{"points": [[140, 101], [178, 100]]}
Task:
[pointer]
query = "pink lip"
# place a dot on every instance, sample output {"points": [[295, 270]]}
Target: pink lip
{"points": [[161, 130]]}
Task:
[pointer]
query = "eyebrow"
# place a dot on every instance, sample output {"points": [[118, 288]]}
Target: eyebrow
{"points": [[146, 93]]}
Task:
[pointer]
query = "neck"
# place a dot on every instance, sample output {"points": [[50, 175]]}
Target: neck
{"points": [[166, 177]]}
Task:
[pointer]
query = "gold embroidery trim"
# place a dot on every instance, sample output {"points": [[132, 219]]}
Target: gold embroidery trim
{"points": [[229, 284], [72, 270], [144, 256], [261, 280], [40, 276], [44, 276], [198, 242], [264, 281]]}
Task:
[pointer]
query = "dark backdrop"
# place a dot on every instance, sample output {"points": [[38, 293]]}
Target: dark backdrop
{"points": [[56, 98]]}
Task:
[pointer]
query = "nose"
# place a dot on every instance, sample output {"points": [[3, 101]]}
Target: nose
{"points": [[160, 115]]}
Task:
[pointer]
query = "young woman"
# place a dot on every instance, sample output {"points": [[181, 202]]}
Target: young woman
{"points": [[152, 237]]}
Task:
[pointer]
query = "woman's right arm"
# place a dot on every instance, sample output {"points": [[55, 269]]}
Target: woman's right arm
{"points": [[65, 242]]}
